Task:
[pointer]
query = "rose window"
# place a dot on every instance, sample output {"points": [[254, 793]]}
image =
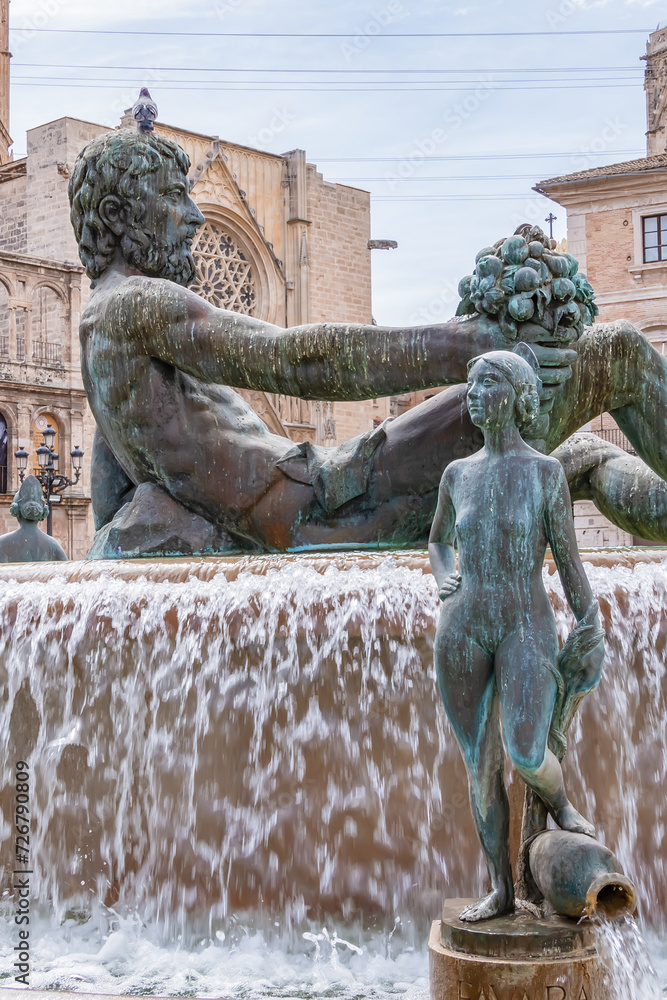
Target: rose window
{"points": [[224, 274]]}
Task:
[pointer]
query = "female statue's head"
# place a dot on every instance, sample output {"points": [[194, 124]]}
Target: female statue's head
{"points": [[503, 388], [28, 503]]}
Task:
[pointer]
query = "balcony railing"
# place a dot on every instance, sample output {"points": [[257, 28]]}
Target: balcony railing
{"points": [[616, 436], [45, 353]]}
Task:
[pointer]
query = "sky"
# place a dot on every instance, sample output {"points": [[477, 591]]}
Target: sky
{"points": [[448, 113]]}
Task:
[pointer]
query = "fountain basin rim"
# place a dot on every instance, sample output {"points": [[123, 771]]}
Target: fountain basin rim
{"points": [[184, 568]]}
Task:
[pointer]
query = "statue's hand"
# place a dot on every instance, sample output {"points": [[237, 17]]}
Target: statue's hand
{"points": [[580, 659], [591, 667], [555, 362], [450, 584]]}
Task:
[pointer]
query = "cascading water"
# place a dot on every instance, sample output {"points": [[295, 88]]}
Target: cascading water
{"points": [[624, 952], [227, 747]]}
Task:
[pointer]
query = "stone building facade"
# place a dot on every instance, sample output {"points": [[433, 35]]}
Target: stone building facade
{"points": [[280, 243], [42, 288], [617, 229]]}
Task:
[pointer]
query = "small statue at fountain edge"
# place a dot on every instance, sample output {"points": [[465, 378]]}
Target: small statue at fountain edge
{"points": [[28, 543], [496, 647]]}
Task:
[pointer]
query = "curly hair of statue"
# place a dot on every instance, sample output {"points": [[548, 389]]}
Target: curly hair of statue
{"points": [[117, 164]]}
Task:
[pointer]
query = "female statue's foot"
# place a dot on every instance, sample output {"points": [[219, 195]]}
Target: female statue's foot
{"points": [[569, 819], [496, 904]]}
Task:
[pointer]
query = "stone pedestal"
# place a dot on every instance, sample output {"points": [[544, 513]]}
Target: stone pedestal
{"points": [[517, 957]]}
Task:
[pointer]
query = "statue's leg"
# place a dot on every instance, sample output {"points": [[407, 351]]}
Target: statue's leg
{"points": [[110, 487], [527, 695], [620, 485], [468, 689]]}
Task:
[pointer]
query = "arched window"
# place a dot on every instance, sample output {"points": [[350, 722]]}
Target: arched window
{"points": [[3, 454], [48, 319], [38, 434], [224, 273], [4, 322]]}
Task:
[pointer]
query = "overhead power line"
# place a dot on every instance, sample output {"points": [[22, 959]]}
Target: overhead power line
{"points": [[326, 84], [440, 178], [473, 156], [276, 89], [291, 69], [328, 34], [454, 197]]}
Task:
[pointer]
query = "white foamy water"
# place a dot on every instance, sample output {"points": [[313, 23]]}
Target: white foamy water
{"points": [[347, 964], [241, 965], [234, 764], [626, 954]]}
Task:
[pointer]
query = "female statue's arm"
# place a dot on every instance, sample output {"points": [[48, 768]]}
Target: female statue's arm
{"points": [[441, 541], [563, 541]]}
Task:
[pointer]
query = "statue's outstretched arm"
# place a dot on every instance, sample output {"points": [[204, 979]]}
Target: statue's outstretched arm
{"points": [[563, 541], [318, 361]]}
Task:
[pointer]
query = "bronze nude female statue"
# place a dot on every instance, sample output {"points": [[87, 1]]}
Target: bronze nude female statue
{"points": [[496, 647]]}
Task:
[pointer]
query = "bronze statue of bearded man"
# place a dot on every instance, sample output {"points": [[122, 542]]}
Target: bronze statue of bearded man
{"points": [[160, 366]]}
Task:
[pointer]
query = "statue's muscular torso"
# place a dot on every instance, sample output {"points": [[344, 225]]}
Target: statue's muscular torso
{"points": [[200, 441]]}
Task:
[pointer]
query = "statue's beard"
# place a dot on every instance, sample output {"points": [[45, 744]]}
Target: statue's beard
{"points": [[174, 262]]}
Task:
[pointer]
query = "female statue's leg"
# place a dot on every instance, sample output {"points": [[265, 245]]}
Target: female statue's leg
{"points": [[527, 696], [468, 688]]}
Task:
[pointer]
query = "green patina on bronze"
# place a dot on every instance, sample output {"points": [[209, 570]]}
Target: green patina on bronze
{"points": [[28, 543], [500, 674], [159, 364], [523, 278]]}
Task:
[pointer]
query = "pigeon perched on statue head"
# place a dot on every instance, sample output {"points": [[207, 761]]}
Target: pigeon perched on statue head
{"points": [[144, 111]]}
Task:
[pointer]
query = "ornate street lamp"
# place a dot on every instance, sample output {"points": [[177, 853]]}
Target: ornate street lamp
{"points": [[21, 457], [49, 436], [53, 482]]}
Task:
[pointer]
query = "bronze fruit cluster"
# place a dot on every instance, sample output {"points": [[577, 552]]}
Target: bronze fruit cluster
{"points": [[522, 278]]}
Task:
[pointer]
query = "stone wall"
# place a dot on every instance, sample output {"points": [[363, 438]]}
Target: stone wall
{"points": [[609, 250], [605, 234], [340, 278], [340, 261], [14, 214], [52, 150]]}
